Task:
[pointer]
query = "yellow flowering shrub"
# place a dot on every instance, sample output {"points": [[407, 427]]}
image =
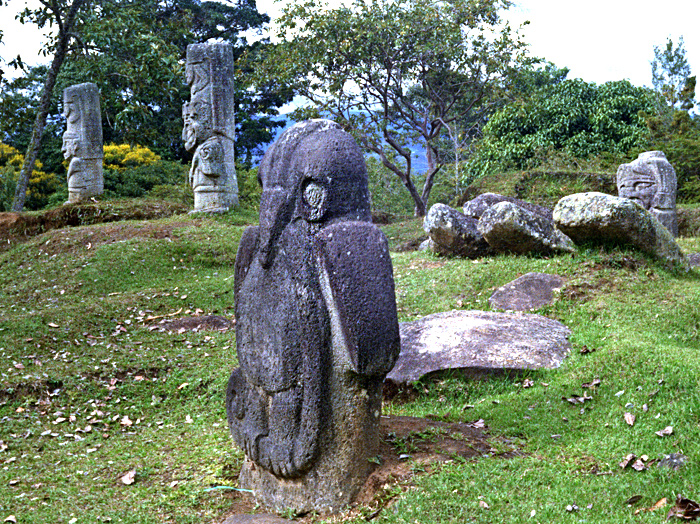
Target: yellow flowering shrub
{"points": [[41, 184], [121, 156]]}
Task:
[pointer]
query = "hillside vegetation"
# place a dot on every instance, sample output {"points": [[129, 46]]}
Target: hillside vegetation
{"points": [[104, 376]]}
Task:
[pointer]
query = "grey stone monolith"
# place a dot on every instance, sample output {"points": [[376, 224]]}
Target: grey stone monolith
{"points": [[597, 217], [82, 141], [209, 126], [508, 227], [316, 325], [477, 206], [650, 180], [453, 234]]}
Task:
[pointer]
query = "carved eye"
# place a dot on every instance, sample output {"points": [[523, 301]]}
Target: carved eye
{"points": [[315, 196], [642, 185]]}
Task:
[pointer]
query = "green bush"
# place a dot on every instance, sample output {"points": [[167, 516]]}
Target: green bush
{"points": [[136, 181], [41, 184]]}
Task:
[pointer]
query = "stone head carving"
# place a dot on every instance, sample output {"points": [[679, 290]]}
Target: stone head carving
{"points": [[82, 141], [650, 180], [316, 327]]}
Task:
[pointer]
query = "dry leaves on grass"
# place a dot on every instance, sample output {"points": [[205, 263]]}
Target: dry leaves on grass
{"points": [[630, 418], [659, 504], [685, 509], [637, 464], [668, 430], [128, 478]]}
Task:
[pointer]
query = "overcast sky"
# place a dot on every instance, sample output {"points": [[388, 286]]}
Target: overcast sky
{"points": [[598, 40]]}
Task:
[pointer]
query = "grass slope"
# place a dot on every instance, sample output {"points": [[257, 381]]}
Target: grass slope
{"points": [[91, 389]]}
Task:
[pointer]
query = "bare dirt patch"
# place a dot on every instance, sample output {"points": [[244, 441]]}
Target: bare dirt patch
{"points": [[410, 447]]}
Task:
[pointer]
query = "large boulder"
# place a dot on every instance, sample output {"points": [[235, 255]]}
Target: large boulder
{"points": [[606, 218], [477, 206], [530, 291], [508, 227], [454, 234], [478, 342]]}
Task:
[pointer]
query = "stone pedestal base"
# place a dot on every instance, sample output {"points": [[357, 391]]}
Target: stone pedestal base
{"points": [[214, 200], [348, 442]]}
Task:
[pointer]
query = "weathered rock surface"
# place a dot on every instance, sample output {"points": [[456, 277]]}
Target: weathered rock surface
{"points": [[606, 218], [507, 227], [530, 291], [477, 206], [479, 342], [651, 181], [454, 234]]}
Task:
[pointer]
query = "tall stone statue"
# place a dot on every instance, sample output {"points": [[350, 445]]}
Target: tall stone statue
{"points": [[209, 126], [650, 180], [316, 325], [82, 141]]}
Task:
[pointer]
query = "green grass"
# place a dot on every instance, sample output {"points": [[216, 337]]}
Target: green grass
{"points": [[90, 391]]}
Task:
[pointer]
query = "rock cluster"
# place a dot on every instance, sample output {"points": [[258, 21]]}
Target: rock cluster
{"points": [[493, 223]]}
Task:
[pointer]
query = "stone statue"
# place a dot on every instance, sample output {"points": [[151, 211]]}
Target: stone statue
{"points": [[209, 126], [82, 141], [650, 180], [316, 325]]}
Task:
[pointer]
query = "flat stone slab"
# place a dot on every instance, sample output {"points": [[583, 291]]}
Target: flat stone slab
{"points": [[479, 342], [530, 291]]}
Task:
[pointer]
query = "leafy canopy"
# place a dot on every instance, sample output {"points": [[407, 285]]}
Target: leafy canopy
{"points": [[572, 116], [398, 72]]}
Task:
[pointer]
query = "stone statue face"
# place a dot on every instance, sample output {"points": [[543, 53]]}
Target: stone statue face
{"points": [[638, 186], [649, 180], [197, 128], [70, 145]]}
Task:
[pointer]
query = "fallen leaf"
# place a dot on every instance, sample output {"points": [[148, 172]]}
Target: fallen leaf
{"points": [[128, 478], [11, 518], [639, 465], [52, 325], [633, 499], [478, 424], [668, 430], [126, 421], [483, 504], [571, 508], [630, 418], [685, 509], [627, 460], [527, 383], [183, 385], [595, 382], [188, 420], [659, 504], [533, 513]]}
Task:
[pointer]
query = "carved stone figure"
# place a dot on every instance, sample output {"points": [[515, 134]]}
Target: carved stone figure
{"points": [[209, 126], [316, 325], [82, 141], [650, 180]]}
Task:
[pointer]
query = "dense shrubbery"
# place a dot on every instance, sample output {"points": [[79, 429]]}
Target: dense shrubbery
{"points": [[41, 185], [133, 171], [573, 116]]}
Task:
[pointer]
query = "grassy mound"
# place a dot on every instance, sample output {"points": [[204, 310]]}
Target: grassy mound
{"points": [[110, 414]]}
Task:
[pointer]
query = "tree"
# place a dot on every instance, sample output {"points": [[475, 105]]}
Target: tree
{"points": [[134, 50], [64, 15], [671, 76], [572, 116], [396, 73]]}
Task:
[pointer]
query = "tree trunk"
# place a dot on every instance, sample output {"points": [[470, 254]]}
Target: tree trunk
{"points": [[419, 210], [43, 110]]}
